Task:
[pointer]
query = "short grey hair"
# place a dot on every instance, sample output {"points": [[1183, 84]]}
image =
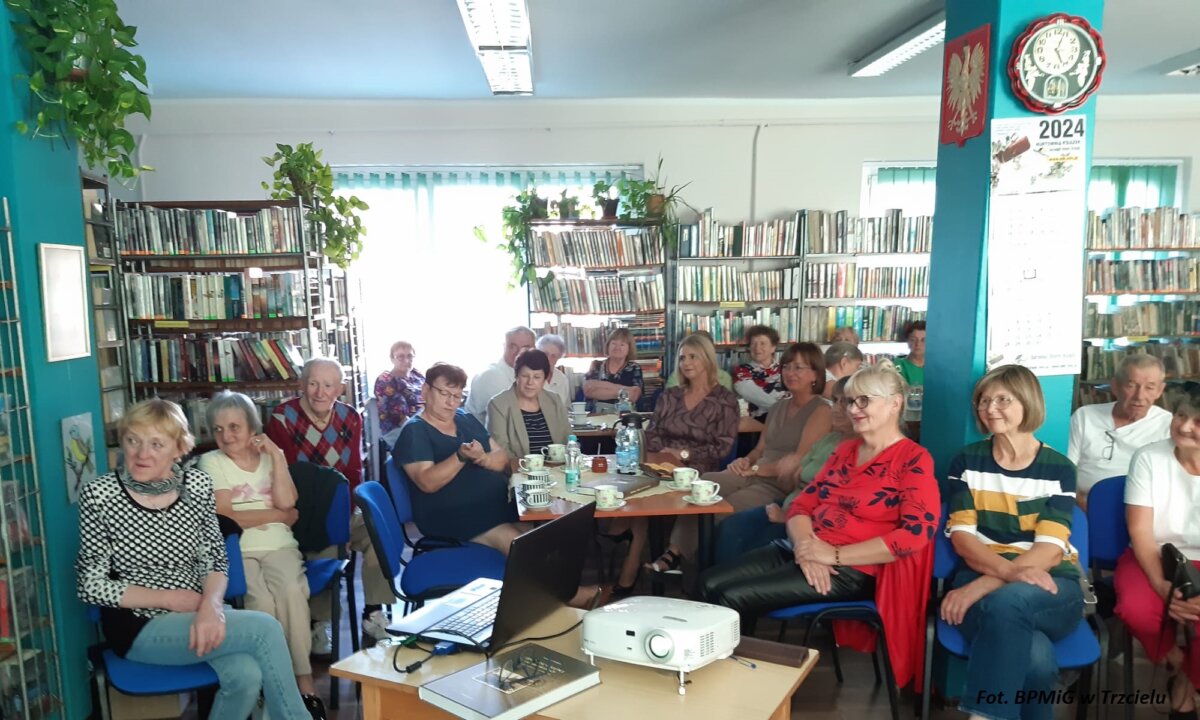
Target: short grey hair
{"points": [[226, 400], [1137, 361], [313, 362], [881, 379], [555, 340], [518, 330], [840, 351]]}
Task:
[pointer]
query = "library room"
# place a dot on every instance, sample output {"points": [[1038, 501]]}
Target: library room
{"points": [[809, 357]]}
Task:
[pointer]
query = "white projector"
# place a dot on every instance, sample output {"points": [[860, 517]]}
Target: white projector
{"points": [[678, 635]]}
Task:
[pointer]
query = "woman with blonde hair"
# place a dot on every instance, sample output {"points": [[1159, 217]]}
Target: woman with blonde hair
{"points": [[619, 371], [152, 558]]}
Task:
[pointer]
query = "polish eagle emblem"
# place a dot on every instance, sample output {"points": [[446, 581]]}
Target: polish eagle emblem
{"points": [[964, 83]]}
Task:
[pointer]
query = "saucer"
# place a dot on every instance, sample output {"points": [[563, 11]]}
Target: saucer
{"points": [[677, 488], [539, 506], [618, 506], [693, 501]]}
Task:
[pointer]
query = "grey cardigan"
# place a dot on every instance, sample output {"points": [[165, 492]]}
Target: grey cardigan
{"points": [[507, 427]]}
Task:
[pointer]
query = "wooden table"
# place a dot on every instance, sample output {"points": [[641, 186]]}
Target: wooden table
{"points": [[723, 689]]}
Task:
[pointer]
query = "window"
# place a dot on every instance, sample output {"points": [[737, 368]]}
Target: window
{"points": [[425, 277], [1113, 183]]}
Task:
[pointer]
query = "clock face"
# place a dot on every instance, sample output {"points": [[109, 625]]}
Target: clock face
{"points": [[1056, 63]]}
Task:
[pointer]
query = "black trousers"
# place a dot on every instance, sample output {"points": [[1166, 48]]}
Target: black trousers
{"points": [[768, 579]]}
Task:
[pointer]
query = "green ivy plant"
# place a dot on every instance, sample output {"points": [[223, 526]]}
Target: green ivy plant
{"points": [[84, 82], [300, 173], [651, 199], [515, 223]]}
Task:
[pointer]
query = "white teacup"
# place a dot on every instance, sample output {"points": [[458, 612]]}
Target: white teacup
{"points": [[607, 496], [704, 490], [579, 418], [532, 462], [541, 475], [555, 452], [682, 478], [534, 491], [578, 407]]}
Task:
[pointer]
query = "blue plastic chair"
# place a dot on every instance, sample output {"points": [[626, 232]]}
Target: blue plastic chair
{"points": [[429, 574], [143, 679], [1080, 649], [1109, 539], [327, 573]]}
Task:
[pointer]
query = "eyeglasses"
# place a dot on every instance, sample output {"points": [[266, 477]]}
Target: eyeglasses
{"points": [[1000, 401], [456, 397], [861, 402], [793, 367], [135, 444], [403, 356], [1107, 453]]}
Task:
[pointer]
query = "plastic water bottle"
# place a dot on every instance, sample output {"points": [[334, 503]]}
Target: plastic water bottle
{"points": [[627, 459], [572, 467], [623, 404]]}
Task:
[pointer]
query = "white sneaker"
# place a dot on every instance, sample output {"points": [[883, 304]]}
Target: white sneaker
{"points": [[322, 642], [375, 625]]}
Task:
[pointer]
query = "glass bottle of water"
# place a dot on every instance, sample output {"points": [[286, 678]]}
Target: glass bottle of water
{"points": [[627, 449], [623, 404], [571, 470]]}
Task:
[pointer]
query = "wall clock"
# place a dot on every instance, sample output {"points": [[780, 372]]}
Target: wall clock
{"points": [[1056, 63]]}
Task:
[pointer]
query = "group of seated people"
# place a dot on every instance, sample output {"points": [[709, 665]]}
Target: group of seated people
{"points": [[834, 502]]}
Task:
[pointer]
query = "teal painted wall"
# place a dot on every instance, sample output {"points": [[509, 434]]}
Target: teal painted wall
{"points": [[42, 186]]}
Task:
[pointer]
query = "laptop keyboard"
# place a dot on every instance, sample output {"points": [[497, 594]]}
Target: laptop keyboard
{"points": [[473, 618]]}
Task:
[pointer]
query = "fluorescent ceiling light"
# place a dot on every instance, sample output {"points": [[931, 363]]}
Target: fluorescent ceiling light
{"points": [[1193, 69], [904, 47], [499, 32]]}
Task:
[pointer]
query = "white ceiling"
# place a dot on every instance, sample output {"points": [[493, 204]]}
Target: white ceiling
{"points": [[418, 49]]}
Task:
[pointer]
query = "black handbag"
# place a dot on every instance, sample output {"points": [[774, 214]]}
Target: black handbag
{"points": [[1180, 572]]}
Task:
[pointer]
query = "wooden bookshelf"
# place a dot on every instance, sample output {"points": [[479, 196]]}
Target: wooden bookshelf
{"points": [[179, 327], [287, 386]]}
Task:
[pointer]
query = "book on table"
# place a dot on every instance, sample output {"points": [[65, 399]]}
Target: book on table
{"points": [[514, 684]]}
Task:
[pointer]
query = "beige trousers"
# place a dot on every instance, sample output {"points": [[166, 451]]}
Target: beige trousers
{"points": [[376, 590], [275, 584], [742, 493]]}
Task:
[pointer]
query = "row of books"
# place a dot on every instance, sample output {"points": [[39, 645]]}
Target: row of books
{"points": [[215, 297], [708, 238], [874, 323], [725, 283], [597, 247], [214, 360], [1177, 274], [599, 294], [1181, 317], [837, 232], [148, 230], [1134, 228], [593, 341], [1180, 359], [729, 326], [847, 280], [196, 410]]}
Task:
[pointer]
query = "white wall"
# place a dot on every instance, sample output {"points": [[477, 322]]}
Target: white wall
{"points": [[809, 153]]}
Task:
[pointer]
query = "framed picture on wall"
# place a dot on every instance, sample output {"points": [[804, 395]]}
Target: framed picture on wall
{"points": [[64, 301]]}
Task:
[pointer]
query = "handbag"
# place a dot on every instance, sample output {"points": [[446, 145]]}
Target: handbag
{"points": [[1180, 572]]}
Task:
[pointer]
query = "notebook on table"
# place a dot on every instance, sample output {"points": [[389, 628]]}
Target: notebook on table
{"points": [[542, 573], [626, 484]]}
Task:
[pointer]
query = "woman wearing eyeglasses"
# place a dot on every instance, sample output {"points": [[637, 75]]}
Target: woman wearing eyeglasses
{"points": [[1160, 507], [460, 475], [768, 473], [1012, 500], [861, 530]]}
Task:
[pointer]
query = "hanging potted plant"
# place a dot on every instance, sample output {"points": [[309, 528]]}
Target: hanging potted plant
{"points": [[515, 224], [84, 82], [334, 219]]}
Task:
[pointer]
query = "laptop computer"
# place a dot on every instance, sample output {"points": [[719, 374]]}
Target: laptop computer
{"points": [[626, 484], [542, 573]]}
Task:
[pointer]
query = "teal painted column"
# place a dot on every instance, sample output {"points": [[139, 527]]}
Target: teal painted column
{"points": [[41, 183], [957, 334]]}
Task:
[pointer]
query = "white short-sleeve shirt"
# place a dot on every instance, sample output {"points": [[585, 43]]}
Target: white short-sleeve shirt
{"points": [[1088, 444], [1158, 481]]}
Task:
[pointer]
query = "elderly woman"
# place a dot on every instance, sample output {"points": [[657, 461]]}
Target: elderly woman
{"points": [[842, 359], [152, 558], [1160, 508], [526, 417], [694, 424], [912, 366], [608, 377], [752, 528], [1011, 505], [252, 486], [768, 473], [847, 334], [398, 391], [560, 380], [759, 382], [861, 530]]}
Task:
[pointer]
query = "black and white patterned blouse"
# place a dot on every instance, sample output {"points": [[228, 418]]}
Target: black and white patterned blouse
{"points": [[122, 543], [537, 430]]}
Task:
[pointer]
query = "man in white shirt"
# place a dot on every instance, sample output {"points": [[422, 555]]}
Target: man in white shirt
{"points": [[1105, 436], [560, 383], [499, 376]]}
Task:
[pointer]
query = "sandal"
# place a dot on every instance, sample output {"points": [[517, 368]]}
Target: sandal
{"points": [[668, 562]]}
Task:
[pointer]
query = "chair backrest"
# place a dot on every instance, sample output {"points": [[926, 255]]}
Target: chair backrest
{"points": [[337, 520], [397, 487], [373, 433], [236, 587], [946, 561], [1109, 534], [1079, 535], [320, 490], [382, 527]]}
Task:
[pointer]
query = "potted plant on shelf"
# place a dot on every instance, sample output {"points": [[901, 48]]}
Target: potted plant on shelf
{"points": [[607, 199], [567, 206], [515, 222], [300, 173], [84, 82], [651, 199]]}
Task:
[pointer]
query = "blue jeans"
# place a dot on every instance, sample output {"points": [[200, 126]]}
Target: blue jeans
{"points": [[742, 532], [1012, 633], [253, 657]]}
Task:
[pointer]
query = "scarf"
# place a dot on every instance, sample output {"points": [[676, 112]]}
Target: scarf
{"points": [[162, 487]]}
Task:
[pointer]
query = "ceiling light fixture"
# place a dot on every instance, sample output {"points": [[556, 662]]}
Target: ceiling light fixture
{"points": [[904, 47], [1193, 69], [499, 32]]}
